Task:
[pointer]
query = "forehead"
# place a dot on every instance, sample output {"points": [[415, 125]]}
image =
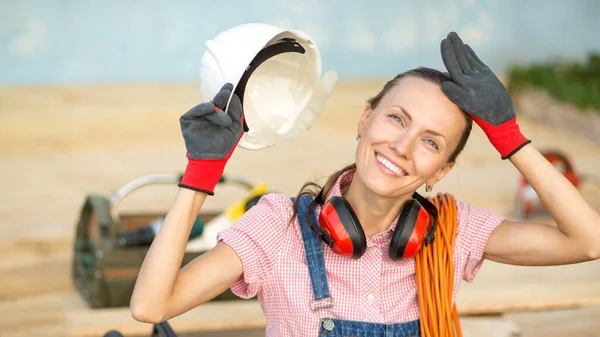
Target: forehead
{"points": [[428, 106]]}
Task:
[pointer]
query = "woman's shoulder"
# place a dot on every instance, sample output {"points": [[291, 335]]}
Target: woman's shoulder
{"points": [[265, 222], [475, 223], [275, 208], [279, 202]]}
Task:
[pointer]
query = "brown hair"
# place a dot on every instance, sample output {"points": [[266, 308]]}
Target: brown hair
{"points": [[429, 74]]}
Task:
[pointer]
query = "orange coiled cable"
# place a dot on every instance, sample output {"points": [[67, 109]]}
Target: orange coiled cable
{"points": [[435, 274]]}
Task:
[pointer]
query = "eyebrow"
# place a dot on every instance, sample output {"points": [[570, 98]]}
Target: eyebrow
{"points": [[410, 119]]}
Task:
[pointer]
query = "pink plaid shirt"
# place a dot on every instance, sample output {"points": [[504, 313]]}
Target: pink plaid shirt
{"points": [[373, 288]]}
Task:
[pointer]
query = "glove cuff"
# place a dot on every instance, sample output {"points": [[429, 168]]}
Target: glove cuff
{"points": [[202, 175], [506, 138], [508, 155]]}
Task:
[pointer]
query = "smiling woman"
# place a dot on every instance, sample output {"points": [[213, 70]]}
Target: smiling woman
{"points": [[335, 261], [390, 136]]}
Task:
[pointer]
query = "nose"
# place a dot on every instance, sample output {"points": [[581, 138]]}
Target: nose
{"points": [[403, 145]]}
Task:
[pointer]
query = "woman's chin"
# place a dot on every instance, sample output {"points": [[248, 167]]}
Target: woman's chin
{"points": [[384, 189], [385, 185]]}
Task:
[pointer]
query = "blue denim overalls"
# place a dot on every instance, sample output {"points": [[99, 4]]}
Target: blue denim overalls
{"points": [[330, 327]]}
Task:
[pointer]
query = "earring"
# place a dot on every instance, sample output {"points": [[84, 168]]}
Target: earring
{"points": [[428, 188], [357, 138]]}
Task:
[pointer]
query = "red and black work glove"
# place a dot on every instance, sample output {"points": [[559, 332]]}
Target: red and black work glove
{"points": [[476, 90], [210, 137]]}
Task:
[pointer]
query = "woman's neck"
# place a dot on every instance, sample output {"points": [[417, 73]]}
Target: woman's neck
{"points": [[374, 212]]}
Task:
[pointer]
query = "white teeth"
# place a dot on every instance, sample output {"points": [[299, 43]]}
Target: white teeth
{"points": [[389, 165]]}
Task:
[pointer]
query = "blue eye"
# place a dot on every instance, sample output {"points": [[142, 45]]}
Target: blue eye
{"points": [[396, 118], [432, 143]]}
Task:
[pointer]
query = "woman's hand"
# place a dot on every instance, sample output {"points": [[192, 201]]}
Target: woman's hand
{"points": [[477, 91], [210, 137]]}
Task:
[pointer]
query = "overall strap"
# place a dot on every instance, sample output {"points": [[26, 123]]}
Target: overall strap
{"points": [[313, 248]]}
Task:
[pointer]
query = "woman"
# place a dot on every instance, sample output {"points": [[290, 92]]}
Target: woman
{"points": [[408, 136]]}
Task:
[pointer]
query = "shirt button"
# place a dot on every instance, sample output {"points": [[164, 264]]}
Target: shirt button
{"points": [[373, 249], [371, 298]]}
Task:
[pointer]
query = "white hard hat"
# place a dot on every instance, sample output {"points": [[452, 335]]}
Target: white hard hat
{"points": [[285, 93]]}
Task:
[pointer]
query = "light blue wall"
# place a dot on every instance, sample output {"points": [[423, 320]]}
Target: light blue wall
{"points": [[87, 41]]}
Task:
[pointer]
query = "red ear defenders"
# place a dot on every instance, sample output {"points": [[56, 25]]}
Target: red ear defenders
{"points": [[340, 229]]}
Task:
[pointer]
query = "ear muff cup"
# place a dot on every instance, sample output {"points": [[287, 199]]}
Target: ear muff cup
{"points": [[410, 231], [340, 222]]}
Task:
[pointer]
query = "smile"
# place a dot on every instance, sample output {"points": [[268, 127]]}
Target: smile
{"points": [[391, 168]]}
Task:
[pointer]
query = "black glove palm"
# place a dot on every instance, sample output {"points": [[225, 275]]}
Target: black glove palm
{"points": [[476, 90], [208, 131]]}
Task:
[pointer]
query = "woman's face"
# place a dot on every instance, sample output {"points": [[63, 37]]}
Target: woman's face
{"points": [[407, 139]]}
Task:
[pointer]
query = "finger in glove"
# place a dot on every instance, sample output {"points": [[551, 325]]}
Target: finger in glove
{"points": [[476, 63], [207, 110], [456, 94], [459, 51], [235, 109], [450, 60], [221, 98]]}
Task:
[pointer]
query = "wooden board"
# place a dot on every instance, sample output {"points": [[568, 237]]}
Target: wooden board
{"points": [[58, 144], [76, 321], [559, 323]]}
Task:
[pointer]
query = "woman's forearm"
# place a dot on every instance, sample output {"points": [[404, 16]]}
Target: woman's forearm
{"points": [[159, 270], [575, 217]]}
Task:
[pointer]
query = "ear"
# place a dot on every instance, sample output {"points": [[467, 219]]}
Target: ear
{"points": [[440, 174], [363, 119]]}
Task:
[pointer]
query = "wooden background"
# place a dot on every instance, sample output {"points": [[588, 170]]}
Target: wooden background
{"points": [[58, 144]]}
